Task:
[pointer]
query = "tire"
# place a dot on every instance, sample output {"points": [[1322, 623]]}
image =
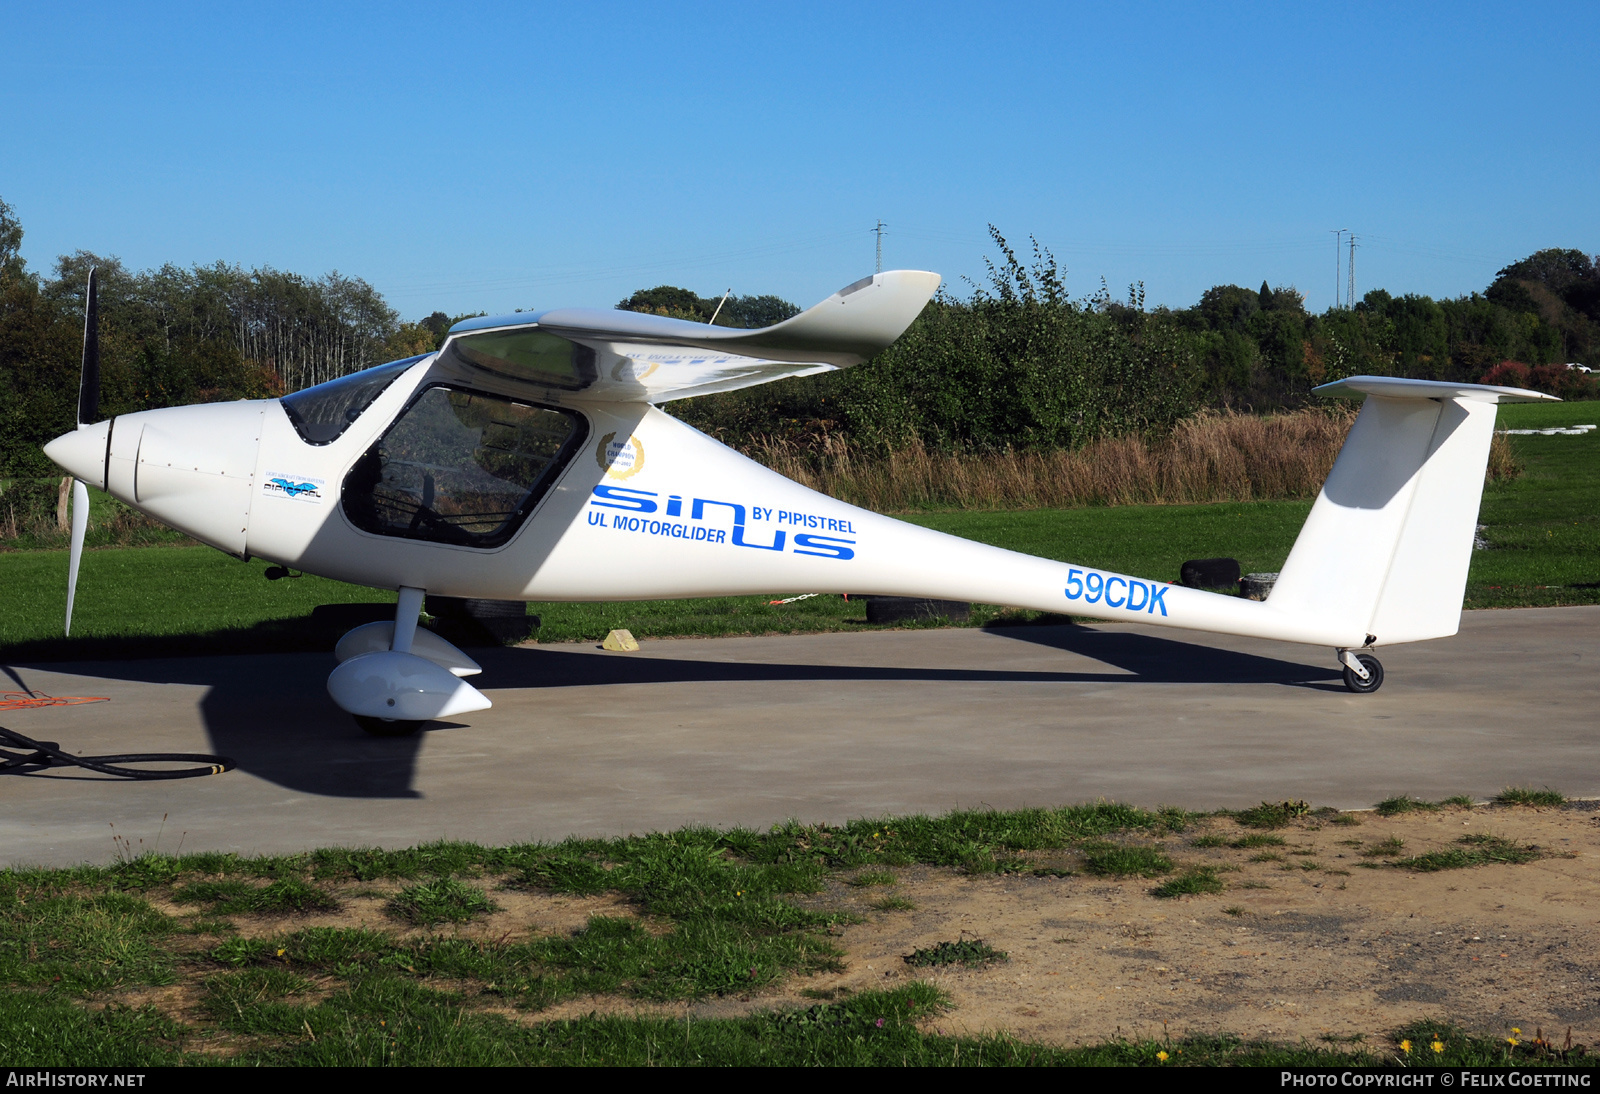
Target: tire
{"points": [[387, 727], [1374, 679]]}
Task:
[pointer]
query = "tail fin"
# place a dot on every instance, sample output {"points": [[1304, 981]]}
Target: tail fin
{"points": [[1386, 549]]}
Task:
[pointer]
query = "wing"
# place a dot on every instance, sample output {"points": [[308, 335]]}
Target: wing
{"points": [[585, 354]]}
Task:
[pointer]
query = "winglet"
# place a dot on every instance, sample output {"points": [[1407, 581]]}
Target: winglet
{"points": [[856, 322]]}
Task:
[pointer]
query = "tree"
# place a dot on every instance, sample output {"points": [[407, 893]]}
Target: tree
{"points": [[10, 238], [736, 311]]}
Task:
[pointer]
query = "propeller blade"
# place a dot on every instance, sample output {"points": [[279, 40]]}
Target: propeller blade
{"points": [[89, 382], [80, 525]]}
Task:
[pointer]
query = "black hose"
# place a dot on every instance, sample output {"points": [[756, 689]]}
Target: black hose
{"points": [[48, 754]]}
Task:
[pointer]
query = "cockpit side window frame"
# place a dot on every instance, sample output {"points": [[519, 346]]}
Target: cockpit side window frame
{"points": [[506, 532]]}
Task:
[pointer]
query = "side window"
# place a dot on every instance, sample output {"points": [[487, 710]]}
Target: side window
{"points": [[321, 414], [528, 354], [461, 467]]}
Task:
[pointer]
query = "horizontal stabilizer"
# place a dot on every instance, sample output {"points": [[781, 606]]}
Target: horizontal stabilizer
{"points": [[1398, 387]]}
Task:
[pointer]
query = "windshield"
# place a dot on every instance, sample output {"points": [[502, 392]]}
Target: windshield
{"points": [[321, 414]]}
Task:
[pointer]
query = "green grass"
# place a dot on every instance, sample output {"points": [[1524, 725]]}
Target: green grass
{"points": [[1272, 814], [1111, 860], [894, 904], [1198, 881], [700, 913], [442, 900], [158, 600], [872, 877], [1403, 803], [1476, 850], [1544, 526], [965, 952], [231, 897], [1523, 795], [386, 1020]]}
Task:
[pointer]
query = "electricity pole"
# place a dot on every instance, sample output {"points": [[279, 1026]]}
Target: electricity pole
{"points": [[879, 232], [1350, 293], [1338, 239]]}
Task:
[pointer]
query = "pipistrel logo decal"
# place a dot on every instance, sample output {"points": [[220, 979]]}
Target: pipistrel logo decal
{"points": [[620, 459], [294, 487]]}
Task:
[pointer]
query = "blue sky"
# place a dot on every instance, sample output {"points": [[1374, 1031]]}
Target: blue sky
{"points": [[501, 156]]}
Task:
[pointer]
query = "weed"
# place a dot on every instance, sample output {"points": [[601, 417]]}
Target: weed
{"points": [[1385, 849], [214, 896], [1404, 803], [1173, 819], [872, 877], [1209, 841], [49, 1031], [1346, 820], [228, 994], [1272, 814], [894, 904], [1233, 910], [965, 952], [1201, 879], [1111, 860], [1477, 850], [1266, 856], [283, 896], [1523, 795], [444, 900], [1256, 839], [1460, 801], [81, 943]]}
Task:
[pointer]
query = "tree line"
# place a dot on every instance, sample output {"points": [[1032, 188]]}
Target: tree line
{"points": [[1020, 364], [1016, 363]]}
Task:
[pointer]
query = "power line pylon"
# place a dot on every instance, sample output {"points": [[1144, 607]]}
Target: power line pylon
{"points": [[878, 231], [1338, 238], [1350, 292]]}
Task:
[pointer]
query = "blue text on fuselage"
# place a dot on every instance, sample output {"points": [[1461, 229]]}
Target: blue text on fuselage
{"points": [[1094, 587], [643, 502]]}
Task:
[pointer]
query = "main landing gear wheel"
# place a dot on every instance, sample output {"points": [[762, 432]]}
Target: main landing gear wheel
{"points": [[387, 727], [1374, 679]]}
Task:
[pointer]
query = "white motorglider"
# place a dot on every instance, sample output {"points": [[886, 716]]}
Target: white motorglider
{"points": [[527, 460]]}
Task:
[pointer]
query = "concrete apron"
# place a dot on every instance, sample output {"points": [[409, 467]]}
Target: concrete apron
{"points": [[752, 731]]}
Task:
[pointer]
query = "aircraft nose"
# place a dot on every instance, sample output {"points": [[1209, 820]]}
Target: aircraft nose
{"points": [[82, 453]]}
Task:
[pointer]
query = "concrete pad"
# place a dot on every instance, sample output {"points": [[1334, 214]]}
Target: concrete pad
{"points": [[752, 731]]}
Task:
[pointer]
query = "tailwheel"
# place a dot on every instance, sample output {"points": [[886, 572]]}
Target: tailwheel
{"points": [[1374, 680], [388, 727]]}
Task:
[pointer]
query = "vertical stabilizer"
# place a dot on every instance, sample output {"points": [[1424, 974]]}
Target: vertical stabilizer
{"points": [[1386, 548]]}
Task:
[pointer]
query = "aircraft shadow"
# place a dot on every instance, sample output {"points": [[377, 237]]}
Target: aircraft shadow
{"points": [[1149, 660], [270, 713]]}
